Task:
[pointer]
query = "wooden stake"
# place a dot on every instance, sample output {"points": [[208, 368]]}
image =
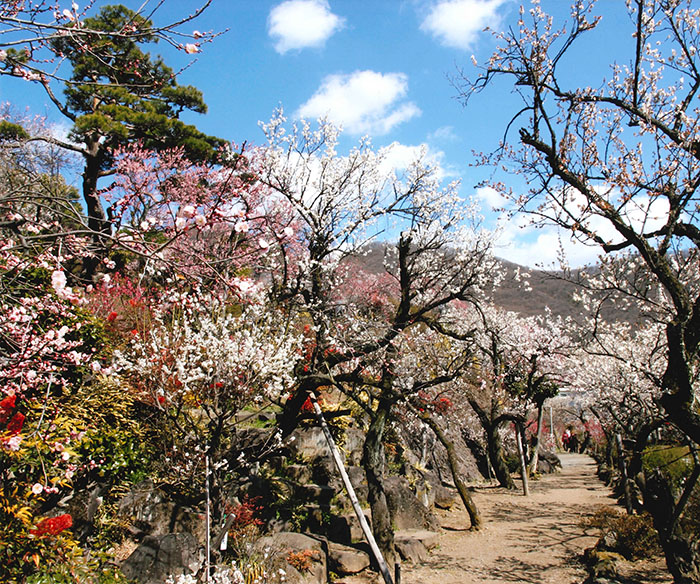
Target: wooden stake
{"points": [[383, 568]]}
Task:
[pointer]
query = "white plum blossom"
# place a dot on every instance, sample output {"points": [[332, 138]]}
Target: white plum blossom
{"points": [[188, 211], [58, 281]]}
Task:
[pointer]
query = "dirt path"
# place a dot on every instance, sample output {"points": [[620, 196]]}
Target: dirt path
{"points": [[534, 539]]}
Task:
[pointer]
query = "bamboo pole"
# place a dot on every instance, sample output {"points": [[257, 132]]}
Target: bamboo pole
{"points": [[383, 568], [523, 466], [208, 518]]}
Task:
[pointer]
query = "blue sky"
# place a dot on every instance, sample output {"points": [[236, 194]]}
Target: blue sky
{"points": [[380, 68]]}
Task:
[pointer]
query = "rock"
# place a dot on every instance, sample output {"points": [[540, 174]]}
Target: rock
{"points": [[603, 564], [346, 528], [300, 473], [345, 560], [253, 445], [160, 556], [445, 498], [151, 513], [356, 474], [413, 545], [307, 443], [411, 551], [303, 558], [353, 443], [547, 462], [406, 510], [320, 494]]}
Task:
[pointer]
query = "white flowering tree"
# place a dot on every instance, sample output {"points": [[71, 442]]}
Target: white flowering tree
{"points": [[201, 362], [520, 362], [339, 205], [616, 162]]}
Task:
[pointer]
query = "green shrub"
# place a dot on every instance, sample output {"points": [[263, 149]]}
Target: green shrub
{"points": [[673, 461]]}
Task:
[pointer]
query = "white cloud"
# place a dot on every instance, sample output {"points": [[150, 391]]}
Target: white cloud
{"points": [[444, 134], [363, 102], [518, 241], [299, 24], [490, 196], [397, 157], [457, 23]]}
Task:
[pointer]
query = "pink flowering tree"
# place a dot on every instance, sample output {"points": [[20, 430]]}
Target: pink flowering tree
{"points": [[114, 93]]}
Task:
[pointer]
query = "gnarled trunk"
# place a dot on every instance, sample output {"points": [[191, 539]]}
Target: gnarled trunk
{"points": [[494, 445], [373, 464], [469, 505], [681, 550], [535, 450], [498, 457]]}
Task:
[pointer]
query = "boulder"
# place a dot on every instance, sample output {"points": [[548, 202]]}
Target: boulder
{"points": [[299, 473], [307, 443], [344, 560], [445, 497], [151, 513], [303, 558], [547, 462], [346, 528], [413, 545], [406, 510], [354, 441], [603, 564], [160, 556]]}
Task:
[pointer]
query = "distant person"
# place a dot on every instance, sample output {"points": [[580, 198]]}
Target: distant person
{"points": [[566, 437], [573, 443]]}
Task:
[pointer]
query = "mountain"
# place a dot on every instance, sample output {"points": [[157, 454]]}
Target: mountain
{"points": [[548, 289]]}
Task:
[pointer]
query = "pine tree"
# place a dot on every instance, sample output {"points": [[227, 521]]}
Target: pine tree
{"points": [[118, 94]]}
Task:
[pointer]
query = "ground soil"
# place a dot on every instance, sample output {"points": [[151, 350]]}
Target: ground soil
{"points": [[538, 539]]}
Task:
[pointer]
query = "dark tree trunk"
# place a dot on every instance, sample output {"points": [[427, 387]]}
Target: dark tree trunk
{"points": [[682, 552], [498, 458], [479, 453], [97, 221], [469, 505], [373, 464], [494, 445]]}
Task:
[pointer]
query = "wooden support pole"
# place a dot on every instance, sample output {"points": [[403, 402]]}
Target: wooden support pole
{"points": [[383, 568], [523, 466]]}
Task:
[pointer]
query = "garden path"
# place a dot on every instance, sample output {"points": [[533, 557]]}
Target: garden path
{"points": [[537, 539]]}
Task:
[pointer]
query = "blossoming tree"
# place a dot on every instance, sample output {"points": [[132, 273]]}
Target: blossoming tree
{"points": [[114, 93], [338, 205], [615, 162]]}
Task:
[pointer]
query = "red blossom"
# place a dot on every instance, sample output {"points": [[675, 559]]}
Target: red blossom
{"points": [[6, 406], [52, 525], [111, 317], [307, 407], [16, 423], [245, 514]]}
